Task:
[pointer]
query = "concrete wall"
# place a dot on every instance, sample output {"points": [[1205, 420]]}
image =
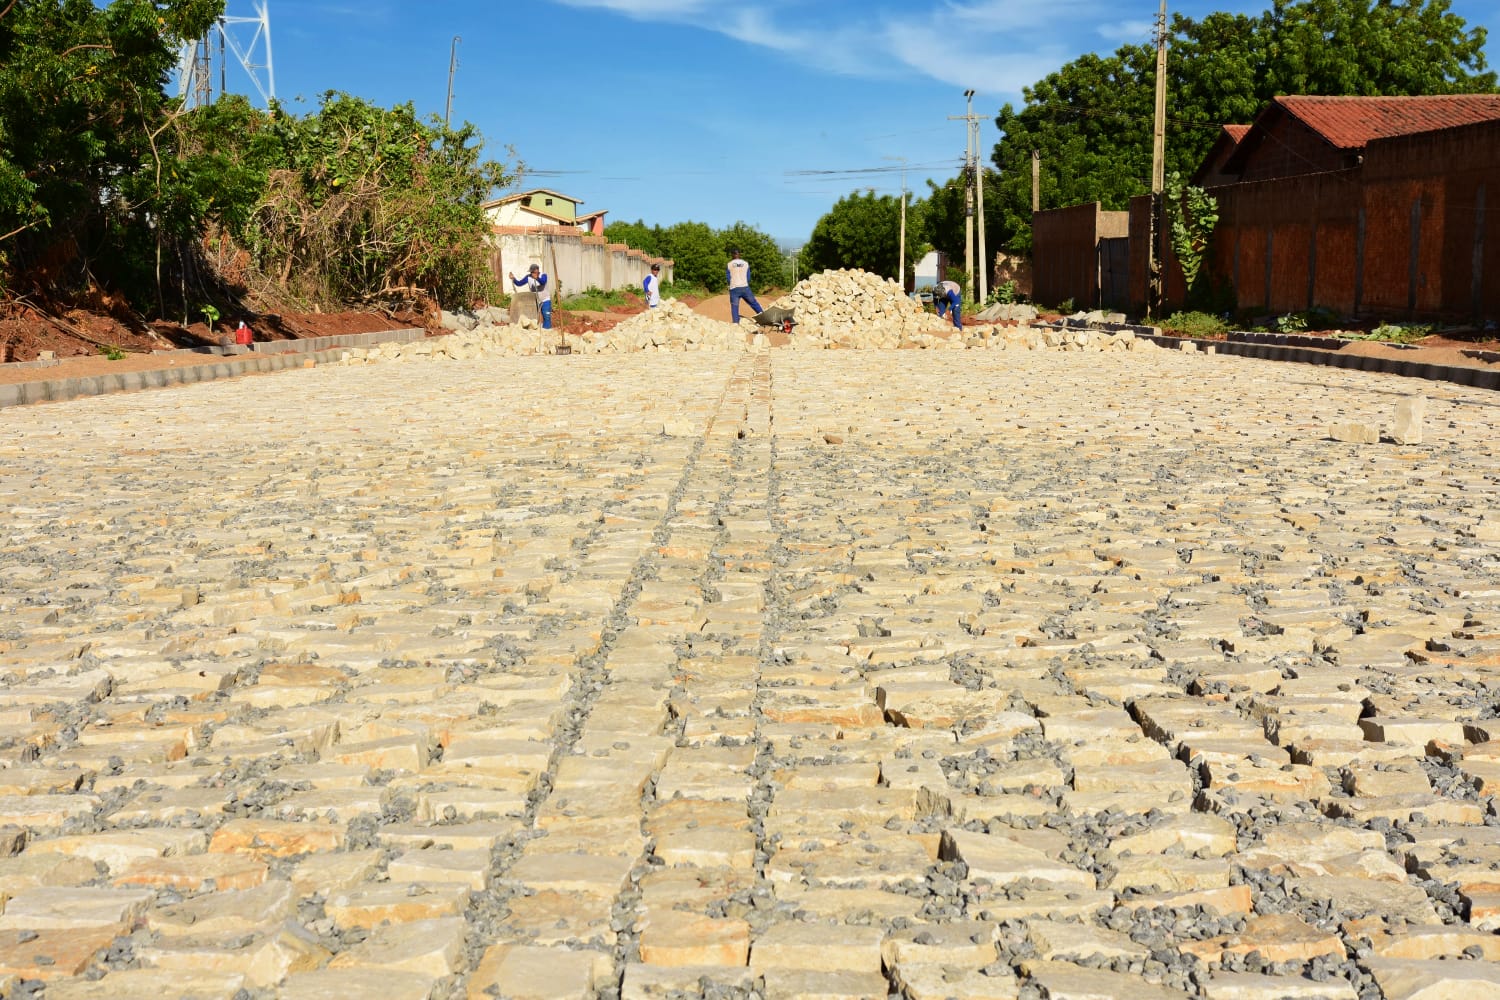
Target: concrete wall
{"points": [[577, 261]]}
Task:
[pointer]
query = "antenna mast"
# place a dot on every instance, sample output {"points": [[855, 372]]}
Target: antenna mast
{"points": [[194, 59]]}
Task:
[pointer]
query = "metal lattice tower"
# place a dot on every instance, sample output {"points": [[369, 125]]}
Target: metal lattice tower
{"points": [[248, 39]]}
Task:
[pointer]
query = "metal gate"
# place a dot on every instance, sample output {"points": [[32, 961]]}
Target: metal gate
{"points": [[1114, 273]]}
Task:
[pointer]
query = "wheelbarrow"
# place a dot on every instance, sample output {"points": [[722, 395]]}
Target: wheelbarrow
{"points": [[782, 317]]}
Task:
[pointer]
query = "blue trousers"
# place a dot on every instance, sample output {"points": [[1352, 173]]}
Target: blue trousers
{"points": [[546, 310], [735, 294], [951, 299]]}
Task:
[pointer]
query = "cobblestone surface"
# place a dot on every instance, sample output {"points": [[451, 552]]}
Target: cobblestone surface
{"points": [[838, 674]]}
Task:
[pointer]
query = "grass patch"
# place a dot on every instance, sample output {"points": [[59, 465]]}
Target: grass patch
{"points": [[113, 353], [1393, 333], [597, 299], [1194, 324]]}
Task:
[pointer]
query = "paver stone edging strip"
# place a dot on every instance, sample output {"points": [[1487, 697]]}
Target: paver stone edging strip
{"points": [[1279, 347], [289, 354]]}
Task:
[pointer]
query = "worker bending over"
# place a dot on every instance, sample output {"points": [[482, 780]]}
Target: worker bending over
{"points": [[945, 294], [536, 282]]}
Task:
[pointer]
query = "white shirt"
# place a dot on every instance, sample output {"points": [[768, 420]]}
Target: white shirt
{"points": [[653, 290]]}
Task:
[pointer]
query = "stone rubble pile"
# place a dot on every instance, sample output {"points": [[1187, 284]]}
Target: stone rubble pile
{"points": [[858, 309], [1017, 312], [671, 327], [835, 309]]}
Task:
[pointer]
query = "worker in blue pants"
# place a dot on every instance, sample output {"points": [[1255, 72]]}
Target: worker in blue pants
{"points": [[739, 286], [945, 294], [535, 281]]}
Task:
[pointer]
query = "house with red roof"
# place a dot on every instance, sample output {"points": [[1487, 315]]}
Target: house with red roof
{"points": [[1308, 135], [543, 207], [1373, 206]]}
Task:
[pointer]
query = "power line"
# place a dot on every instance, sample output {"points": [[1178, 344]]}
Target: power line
{"points": [[862, 171]]}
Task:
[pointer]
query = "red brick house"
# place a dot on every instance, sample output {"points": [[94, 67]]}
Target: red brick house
{"points": [[1367, 205]]}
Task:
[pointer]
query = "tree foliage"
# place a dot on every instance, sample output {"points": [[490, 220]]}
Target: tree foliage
{"points": [[942, 220], [86, 153], [699, 252], [636, 235], [106, 182], [363, 201], [1193, 213], [1091, 120], [861, 231], [767, 263]]}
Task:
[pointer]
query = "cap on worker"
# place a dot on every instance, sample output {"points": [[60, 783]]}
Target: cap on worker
{"points": [[656, 267], [536, 267]]}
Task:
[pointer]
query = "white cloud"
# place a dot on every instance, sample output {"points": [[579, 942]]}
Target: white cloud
{"points": [[1008, 16], [994, 46], [1128, 32], [648, 10]]}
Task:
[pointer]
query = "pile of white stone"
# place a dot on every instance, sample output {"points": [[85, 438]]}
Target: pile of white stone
{"points": [[671, 326], [488, 334], [835, 309], [857, 309]]}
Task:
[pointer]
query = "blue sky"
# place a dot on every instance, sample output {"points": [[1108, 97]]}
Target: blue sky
{"points": [[707, 110]]}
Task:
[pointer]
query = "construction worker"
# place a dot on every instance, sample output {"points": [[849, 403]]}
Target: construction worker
{"points": [[652, 287], [536, 282], [945, 294], [739, 286]]}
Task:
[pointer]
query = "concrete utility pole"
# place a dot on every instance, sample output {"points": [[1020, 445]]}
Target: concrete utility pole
{"points": [[452, 65], [1036, 181], [1156, 293], [984, 261], [901, 252], [970, 175]]}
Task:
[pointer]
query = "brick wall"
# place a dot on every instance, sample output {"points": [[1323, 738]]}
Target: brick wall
{"points": [[1412, 232]]}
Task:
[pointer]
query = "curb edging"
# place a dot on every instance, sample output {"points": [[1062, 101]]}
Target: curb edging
{"points": [[261, 357]]}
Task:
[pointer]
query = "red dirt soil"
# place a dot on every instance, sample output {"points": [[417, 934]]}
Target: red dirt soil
{"points": [[82, 340]]}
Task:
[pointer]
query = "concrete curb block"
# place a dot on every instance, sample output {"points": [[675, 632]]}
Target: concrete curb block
{"points": [[1477, 378], [289, 354], [1310, 350]]}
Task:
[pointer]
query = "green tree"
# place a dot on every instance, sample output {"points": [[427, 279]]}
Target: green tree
{"points": [[697, 254], [767, 262], [861, 231], [941, 218], [366, 201], [636, 235], [1091, 120], [87, 162]]}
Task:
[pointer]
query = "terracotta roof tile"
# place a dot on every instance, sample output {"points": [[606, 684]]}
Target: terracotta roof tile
{"points": [[1351, 122]]}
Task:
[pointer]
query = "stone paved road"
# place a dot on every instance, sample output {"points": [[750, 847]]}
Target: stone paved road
{"points": [[846, 674]]}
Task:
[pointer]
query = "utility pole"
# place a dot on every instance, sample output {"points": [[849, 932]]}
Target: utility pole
{"points": [[1036, 181], [984, 261], [901, 252], [969, 178], [452, 65], [1156, 265]]}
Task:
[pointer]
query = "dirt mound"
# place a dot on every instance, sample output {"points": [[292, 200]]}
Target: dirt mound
{"points": [[25, 332]]}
